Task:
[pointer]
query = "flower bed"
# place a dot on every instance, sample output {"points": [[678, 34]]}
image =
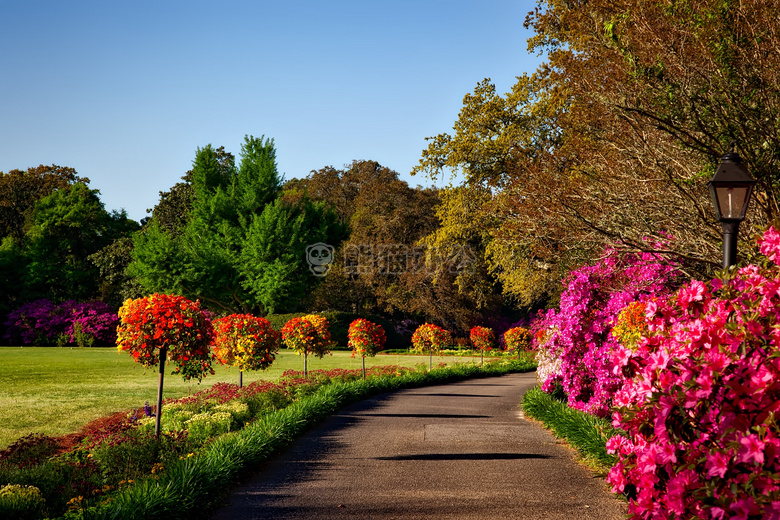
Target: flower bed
{"points": [[697, 380]]}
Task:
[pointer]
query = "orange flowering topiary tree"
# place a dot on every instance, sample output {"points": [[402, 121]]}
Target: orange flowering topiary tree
{"points": [[246, 342], [430, 339], [518, 339], [306, 335], [365, 338], [483, 338], [161, 325]]}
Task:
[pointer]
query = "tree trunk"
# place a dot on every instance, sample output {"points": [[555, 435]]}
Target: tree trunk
{"points": [[163, 355]]}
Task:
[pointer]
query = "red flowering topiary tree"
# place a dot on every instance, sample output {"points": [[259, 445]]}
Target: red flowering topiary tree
{"points": [[365, 338], [430, 339], [483, 338], [246, 342], [306, 335], [161, 325]]}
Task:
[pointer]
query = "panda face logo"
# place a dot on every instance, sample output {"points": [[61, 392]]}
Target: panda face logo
{"points": [[320, 257]]}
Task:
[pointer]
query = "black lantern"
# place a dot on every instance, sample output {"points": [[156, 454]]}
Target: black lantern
{"points": [[731, 187]]}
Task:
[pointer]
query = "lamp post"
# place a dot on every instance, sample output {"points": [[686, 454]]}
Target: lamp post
{"points": [[731, 187]]}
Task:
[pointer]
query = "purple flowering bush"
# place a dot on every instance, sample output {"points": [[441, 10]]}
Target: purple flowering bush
{"points": [[701, 400], [574, 343], [42, 322]]}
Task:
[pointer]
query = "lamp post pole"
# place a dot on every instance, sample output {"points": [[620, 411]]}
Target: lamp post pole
{"points": [[730, 231]]}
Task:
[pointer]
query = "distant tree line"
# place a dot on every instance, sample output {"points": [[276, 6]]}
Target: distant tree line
{"points": [[234, 234]]}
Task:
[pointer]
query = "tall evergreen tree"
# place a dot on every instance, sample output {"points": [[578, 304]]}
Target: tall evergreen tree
{"points": [[240, 249]]}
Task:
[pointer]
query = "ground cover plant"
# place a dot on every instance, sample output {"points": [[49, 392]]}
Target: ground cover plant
{"points": [[121, 471], [587, 433]]}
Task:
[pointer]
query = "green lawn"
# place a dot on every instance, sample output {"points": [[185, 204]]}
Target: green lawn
{"points": [[58, 390]]}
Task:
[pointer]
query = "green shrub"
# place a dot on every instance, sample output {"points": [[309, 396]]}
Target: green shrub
{"points": [[21, 502], [205, 425], [304, 390], [57, 480], [83, 339], [132, 454], [239, 412], [268, 401]]}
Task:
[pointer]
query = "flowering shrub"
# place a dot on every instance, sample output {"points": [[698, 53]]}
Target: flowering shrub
{"points": [[518, 339], [21, 502], [307, 335], [42, 322], [175, 323], [245, 341], [700, 412], [365, 338], [430, 339], [483, 338], [574, 343]]}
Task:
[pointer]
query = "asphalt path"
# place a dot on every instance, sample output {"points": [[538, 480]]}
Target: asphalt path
{"points": [[456, 451]]}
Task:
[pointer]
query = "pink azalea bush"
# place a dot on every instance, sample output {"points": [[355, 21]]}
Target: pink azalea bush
{"points": [[43, 322], [701, 400], [574, 343]]}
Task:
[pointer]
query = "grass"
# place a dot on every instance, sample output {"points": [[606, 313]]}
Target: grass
{"points": [[586, 433], [56, 391]]}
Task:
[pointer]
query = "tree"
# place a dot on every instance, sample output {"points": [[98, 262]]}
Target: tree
{"points": [[483, 338], [306, 335], [365, 339], [274, 255], [150, 328], [67, 227], [20, 191], [614, 138], [430, 339], [245, 341], [116, 285], [238, 244], [386, 218]]}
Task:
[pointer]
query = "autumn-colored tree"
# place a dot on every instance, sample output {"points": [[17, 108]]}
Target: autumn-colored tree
{"points": [[430, 339], [483, 339], [518, 339], [20, 191], [614, 138], [386, 218]]}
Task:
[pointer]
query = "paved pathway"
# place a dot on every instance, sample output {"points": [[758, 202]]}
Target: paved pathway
{"points": [[457, 451]]}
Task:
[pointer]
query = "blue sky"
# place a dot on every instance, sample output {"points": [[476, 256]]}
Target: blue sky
{"points": [[125, 92]]}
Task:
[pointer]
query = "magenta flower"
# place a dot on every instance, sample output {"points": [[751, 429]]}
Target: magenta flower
{"points": [[751, 450]]}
